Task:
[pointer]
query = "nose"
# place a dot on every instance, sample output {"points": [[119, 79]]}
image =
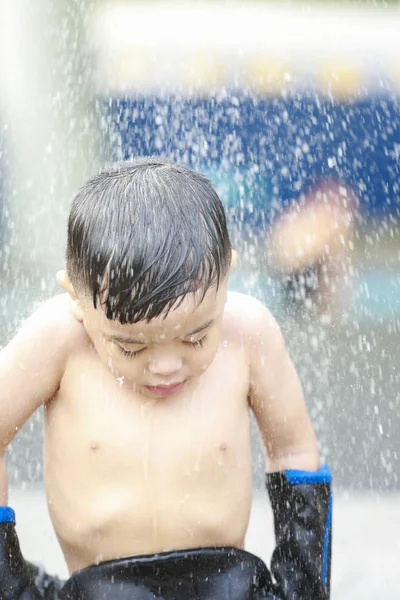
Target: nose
{"points": [[164, 364]]}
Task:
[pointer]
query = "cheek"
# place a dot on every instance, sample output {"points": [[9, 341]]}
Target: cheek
{"points": [[201, 359], [117, 363], [130, 369]]}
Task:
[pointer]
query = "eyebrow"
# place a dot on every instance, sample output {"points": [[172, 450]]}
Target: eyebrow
{"points": [[201, 328], [129, 340]]}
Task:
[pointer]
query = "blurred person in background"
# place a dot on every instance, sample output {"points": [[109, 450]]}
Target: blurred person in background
{"points": [[310, 248]]}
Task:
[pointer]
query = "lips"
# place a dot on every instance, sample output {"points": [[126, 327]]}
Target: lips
{"points": [[165, 390]]}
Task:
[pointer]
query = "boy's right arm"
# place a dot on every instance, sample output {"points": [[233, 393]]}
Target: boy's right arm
{"points": [[31, 369]]}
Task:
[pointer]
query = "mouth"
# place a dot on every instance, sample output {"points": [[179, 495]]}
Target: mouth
{"points": [[165, 390]]}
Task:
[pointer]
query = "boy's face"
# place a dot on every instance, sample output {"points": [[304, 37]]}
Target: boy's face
{"points": [[161, 357]]}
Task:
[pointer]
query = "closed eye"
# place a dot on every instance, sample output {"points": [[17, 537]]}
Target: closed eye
{"points": [[132, 353], [198, 343], [129, 353]]}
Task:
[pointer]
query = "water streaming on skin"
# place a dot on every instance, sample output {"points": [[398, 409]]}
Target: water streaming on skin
{"points": [[200, 443], [147, 416], [180, 507]]}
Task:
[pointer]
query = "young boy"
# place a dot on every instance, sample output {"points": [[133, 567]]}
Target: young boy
{"points": [[147, 368]]}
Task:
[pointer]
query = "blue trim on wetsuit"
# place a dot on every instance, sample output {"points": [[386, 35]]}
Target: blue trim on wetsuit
{"points": [[323, 475], [328, 526], [7, 515]]}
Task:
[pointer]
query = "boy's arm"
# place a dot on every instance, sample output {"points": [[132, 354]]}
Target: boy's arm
{"points": [[277, 399], [299, 489], [32, 365], [31, 369]]}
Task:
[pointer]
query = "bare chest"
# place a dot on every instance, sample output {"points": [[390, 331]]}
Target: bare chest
{"points": [[101, 425], [138, 477]]}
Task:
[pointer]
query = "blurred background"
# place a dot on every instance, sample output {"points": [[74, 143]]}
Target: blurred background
{"points": [[292, 109]]}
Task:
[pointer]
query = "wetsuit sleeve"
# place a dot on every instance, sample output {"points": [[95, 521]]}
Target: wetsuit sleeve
{"points": [[302, 507], [16, 580]]}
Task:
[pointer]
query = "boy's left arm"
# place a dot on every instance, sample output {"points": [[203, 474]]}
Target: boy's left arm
{"points": [[299, 488]]}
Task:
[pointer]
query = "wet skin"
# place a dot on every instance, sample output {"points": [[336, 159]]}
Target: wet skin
{"points": [[133, 464], [144, 471]]}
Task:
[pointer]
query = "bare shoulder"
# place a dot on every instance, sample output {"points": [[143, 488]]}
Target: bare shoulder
{"points": [[55, 309], [250, 316], [250, 320], [53, 321], [33, 363]]}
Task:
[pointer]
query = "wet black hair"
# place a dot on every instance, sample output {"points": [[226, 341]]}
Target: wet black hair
{"points": [[142, 235]]}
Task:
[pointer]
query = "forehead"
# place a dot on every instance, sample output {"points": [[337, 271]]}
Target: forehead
{"points": [[192, 312]]}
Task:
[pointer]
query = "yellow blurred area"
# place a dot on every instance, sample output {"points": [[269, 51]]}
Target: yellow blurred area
{"points": [[203, 72], [268, 74], [340, 78], [204, 46]]}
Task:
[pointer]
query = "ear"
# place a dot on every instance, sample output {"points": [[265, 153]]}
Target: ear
{"points": [[65, 282], [234, 259]]}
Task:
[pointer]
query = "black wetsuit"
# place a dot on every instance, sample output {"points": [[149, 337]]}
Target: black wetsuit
{"points": [[199, 574], [302, 506]]}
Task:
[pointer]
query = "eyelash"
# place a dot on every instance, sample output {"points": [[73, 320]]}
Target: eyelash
{"points": [[129, 353], [197, 344]]}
